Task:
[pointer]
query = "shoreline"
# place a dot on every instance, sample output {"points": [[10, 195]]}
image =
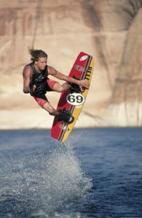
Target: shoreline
{"points": [[37, 118]]}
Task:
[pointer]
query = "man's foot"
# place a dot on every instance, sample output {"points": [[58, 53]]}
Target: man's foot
{"points": [[75, 88], [65, 116]]}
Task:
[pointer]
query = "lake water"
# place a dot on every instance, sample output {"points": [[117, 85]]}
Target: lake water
{"points": [[96, 174]]}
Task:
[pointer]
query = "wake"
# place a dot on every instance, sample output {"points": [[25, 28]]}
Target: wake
{"points": [[41, 181]]}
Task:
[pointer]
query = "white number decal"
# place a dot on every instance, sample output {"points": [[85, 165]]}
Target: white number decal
{"points": [[75, 99]]}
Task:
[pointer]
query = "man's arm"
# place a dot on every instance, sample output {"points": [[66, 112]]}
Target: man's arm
{"points": [[26, 79], [52, 71]]}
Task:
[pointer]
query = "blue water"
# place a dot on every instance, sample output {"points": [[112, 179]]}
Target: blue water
{"points": [[96, 174]]}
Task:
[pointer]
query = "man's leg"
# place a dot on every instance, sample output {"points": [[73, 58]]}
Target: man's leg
{"points": [[48, 107], [45, 104], [55, 86]]}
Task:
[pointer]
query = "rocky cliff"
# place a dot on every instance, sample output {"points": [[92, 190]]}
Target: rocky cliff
{"points": [[110, 30]]}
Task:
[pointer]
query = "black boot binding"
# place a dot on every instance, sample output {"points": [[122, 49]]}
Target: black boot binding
{"points": [[65, 116], [75, 88]]}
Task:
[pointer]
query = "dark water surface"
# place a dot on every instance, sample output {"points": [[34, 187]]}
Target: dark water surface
{"points": [[97, 174]]}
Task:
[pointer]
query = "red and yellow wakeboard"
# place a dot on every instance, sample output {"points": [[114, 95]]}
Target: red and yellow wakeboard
{"points": [[82, 69]]}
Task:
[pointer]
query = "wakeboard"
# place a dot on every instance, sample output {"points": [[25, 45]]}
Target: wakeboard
{"points": [[73, 101]]}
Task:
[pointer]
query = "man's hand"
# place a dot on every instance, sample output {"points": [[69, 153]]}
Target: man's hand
{"points": [[84, 83]]}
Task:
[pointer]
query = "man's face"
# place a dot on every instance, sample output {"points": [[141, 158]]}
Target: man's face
{"points": [[41, 63]]}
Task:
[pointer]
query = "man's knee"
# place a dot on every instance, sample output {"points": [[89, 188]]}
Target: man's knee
{"points": [[65, 86]]}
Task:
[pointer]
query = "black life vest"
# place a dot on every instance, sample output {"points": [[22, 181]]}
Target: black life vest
{"points": [[40, 80]]}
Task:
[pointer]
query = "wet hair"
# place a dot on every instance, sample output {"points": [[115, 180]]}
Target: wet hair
{"points": [[36, 54]]}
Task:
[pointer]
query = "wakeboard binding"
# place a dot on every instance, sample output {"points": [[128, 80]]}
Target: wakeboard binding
{"points": [[65, 116], [75, 88]]}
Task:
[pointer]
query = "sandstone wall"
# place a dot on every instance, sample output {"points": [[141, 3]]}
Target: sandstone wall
{"points": [[110, 30]]}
